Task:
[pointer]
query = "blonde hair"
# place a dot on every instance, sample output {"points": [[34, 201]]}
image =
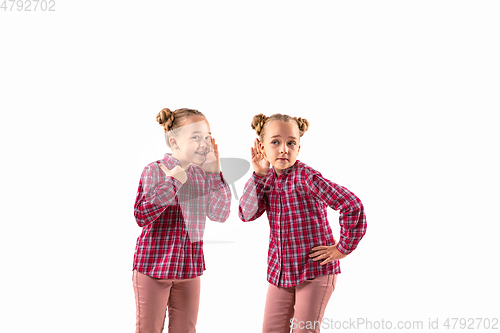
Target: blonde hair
{"points": [[172, 121], [260, 121]]}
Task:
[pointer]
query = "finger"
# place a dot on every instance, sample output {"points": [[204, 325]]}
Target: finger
{"points": [[323, 256], [321, 247], [216, 149], [217, 159], [255, 156], [314, 254], [317, 253], [257, 144], [212, 144], [325, 261]]}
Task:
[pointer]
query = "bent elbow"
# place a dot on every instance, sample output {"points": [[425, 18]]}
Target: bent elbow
{"points": [[245, 217]]}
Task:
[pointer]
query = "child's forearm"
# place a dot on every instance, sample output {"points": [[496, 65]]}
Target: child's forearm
{"points": [[352, 217], [220, 198], [252, 201], [151, 204], [154, 195], [353, 227]]}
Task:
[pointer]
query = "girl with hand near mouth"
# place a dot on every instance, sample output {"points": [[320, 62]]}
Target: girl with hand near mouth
{"points": [[174, 197], [303, 257]]}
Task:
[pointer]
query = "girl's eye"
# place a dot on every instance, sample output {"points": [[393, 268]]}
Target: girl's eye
{"points": [[196, 137], [291, 143], [274, 142], [207, 138]]}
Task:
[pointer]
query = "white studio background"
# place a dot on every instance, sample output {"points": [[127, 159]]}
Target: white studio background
{"points": [[401, 97]]}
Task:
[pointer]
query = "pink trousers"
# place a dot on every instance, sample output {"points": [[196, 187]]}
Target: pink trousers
{"points": [[300, 308], [153, 297]]}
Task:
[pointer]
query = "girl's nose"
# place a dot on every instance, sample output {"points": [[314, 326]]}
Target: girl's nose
{"points": [[283, 149], [203, 143]]}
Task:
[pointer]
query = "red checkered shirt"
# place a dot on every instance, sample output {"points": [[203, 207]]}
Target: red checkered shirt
{"points": [[172, 216], [296, 205]]}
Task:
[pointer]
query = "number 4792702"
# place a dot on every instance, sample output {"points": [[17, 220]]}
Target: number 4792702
{"points": [[28, 5]]}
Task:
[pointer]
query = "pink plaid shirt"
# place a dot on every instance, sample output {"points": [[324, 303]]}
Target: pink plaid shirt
{"points": [[172, 216], [296, 204]]}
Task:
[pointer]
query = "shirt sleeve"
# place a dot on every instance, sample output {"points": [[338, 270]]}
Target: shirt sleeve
{"points": [[252, 202], [352, 217], [154, 195], [219, 204]]}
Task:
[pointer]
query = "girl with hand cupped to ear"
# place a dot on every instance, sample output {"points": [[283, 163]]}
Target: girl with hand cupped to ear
{"points": [[174, 197], [303, 256]]}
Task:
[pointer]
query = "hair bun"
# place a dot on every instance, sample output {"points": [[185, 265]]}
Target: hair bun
{"points": [[166, 118], [303, 125], [258, 122]]}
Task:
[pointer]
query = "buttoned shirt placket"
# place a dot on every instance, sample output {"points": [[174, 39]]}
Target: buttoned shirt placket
{"points": [[279, 183]]}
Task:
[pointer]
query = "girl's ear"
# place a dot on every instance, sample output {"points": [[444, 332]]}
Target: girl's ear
{"points": [[298, 149], [262, 149], [172, 143]]}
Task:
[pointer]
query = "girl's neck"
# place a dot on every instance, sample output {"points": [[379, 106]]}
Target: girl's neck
{"points": [[279, 172], [183, 164]]}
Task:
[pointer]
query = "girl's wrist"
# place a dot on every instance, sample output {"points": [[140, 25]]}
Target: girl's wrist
{"points": [[260, 174]]}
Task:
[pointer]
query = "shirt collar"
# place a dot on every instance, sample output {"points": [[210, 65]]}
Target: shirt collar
{"points": [[286, 171], [170, 160]]}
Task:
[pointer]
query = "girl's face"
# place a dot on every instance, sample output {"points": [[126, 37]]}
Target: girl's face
{"points": [[281, 144], [192, 143]]}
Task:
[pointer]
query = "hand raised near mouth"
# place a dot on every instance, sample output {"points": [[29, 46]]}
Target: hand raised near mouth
{"points": [[212, 162]]}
